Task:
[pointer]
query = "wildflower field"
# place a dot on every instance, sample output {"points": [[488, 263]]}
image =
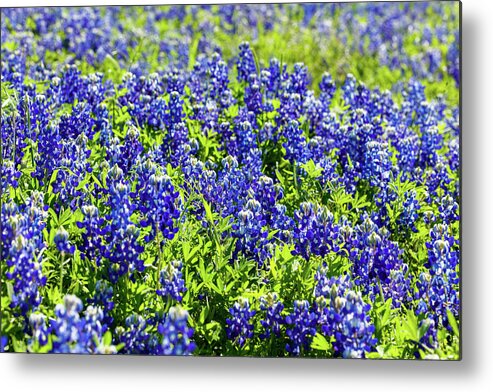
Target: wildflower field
{"points": [[235, 180]]}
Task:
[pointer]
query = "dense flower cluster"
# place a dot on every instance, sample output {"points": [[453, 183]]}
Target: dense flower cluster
{"points": [[160, 165], [344, 315], [176, 334], [172, 283], [239, 327], [22, 247], [71, 333], [316, 232], [273, 318], [437, 288], [301, 327]]}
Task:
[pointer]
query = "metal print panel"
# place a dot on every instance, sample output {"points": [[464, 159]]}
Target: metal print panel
{"points": [[277, 180]]}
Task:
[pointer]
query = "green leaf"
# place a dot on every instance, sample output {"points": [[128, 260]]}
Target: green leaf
{"points": [[312, 169], [107, 338], [208, 211], [411, 326], [203, 314], [386, 316], [280, 177], [193, 52], [10, 288], [320, 343], [453, 323]]}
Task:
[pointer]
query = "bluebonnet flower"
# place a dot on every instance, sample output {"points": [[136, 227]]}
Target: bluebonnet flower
{"points": [[274, 79], [122, 250], [72, 169], [344, 315], [174, 80], [233, 189], [144, 100], [377, 263], [273, 320], [409, 215], [354, 335], [300, 328], [377, 165], [172, 282], [68, 87], [22, 239], [408, 150], [315, 231], [49, 153], [4, 341], [95, 90], [253, 95], [290, 109], [438, 287], [124, 153], [252, 164], [14, 133], [40, 331], [314, 110], [239, 327], [92, 239], [134, 336], [429, 217], [14, 68], [453, 62], [453, 154], [176, 114], [78, 122], [268, 194], [349, 90], [62, 243], [299, 80], [327, 89], [265, 80], [431, 142], [158, 117], [325, 286], [430, 338], [198, 178], [176, 334], [103, 298], [327, 130], [209, 78], [179, 144], [66, 326], [245, 138], [159, 204], [75, 334], [103, 124], [352, 139], [414, 93], [295, 143], [330, 174], [251, 233], [9, 176], [448, 209], [245, 62], [34, 114], [436, 178]]}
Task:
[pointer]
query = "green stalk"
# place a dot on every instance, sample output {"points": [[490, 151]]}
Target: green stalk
{"points": [[61, 272]]}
